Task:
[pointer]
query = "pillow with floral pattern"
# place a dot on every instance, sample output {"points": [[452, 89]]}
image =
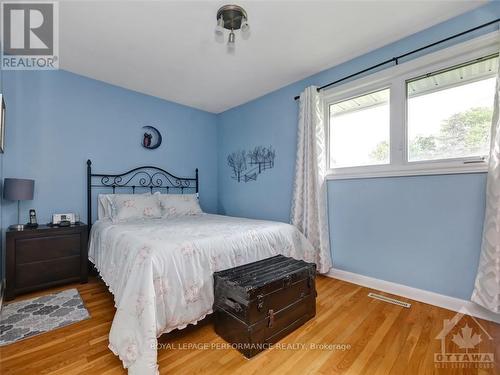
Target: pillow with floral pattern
{"points": [[105, 207], [133, 207], [174, 205]]}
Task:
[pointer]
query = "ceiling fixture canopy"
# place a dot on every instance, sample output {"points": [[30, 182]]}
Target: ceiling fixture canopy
{"points": [[231, 17]]}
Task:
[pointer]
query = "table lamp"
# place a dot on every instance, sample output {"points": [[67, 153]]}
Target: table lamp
{"points": [[18, 189]]}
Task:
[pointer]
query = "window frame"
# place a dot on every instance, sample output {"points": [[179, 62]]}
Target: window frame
{"points": [[395, 79]]}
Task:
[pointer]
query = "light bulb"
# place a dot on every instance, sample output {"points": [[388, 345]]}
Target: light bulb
{"points": [[245, 27], [219, 29], [231, 40], [231, 45]]}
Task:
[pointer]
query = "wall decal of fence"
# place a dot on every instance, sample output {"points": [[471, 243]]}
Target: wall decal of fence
{"points": [[247, 165]]}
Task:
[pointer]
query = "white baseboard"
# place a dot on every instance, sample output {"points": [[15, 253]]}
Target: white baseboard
{"points": [[440, 300]]}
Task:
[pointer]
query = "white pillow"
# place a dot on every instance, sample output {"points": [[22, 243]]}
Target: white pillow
{"points": [[173, 205], [105, 205], [134, 206]]}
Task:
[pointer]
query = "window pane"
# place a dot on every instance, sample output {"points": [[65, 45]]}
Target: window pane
{"points": [[449, 112], [359, 130]]}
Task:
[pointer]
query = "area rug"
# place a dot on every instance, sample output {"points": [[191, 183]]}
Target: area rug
{"points": [[31, 317]]}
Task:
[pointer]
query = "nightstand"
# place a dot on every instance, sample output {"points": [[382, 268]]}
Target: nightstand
{"points": [[44, 257]]}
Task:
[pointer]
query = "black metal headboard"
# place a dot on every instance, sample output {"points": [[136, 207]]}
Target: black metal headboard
{"points": [[147, 177]]}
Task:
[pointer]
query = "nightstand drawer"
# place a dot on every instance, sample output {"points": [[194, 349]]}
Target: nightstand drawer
{"points": [[47, 271], [44, 248], [42, 257]]}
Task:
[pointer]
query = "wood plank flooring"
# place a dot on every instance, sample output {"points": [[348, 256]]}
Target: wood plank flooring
{"points": [[351, 334]]}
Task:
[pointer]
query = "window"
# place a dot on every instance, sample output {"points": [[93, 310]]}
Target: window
{"points": [[430, 115], [449, 112], [368, 115]]}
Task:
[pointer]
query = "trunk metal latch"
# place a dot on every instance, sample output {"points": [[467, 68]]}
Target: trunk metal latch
{"points": [[271, 318]]}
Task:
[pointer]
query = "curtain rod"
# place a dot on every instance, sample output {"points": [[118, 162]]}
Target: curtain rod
{"points": [[396, 59]]}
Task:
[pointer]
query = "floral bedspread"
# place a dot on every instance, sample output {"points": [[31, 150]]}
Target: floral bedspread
{"points": [[160, 272]]}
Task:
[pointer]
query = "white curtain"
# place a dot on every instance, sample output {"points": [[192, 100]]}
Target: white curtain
{"points": [[487, 287], [309, 203]]}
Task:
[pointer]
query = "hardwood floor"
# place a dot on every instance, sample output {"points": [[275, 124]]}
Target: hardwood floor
{"points": [[372, 337]]}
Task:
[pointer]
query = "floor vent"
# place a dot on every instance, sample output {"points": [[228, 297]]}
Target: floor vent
{"points": [[389, 300]]}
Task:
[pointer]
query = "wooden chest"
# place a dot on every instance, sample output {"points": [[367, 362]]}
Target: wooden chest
{"points": [[259, 303]]}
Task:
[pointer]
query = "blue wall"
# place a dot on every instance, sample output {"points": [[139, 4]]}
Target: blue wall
{"points": [[423, 231], [56, 120], [419, 231]]}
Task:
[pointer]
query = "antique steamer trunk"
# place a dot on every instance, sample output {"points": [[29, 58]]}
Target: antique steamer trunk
{"points": [[259, 303]]}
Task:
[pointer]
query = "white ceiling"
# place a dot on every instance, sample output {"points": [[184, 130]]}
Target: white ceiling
{"points": [[167, 48]]}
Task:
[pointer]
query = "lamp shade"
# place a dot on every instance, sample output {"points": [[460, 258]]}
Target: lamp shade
{"points": [[18, 189]]}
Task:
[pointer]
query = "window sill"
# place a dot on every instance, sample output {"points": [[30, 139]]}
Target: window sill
{"points": [[404, 171]]}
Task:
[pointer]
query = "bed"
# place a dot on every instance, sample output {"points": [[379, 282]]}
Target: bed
{"points": [[160, 270]]}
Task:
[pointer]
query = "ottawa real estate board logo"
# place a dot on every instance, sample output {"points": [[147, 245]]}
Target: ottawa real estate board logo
{"points": [[30, 35], [464, 344]]}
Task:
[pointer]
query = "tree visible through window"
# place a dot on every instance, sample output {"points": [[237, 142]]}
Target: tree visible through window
{"points": [[467, 131], [449, 112]]}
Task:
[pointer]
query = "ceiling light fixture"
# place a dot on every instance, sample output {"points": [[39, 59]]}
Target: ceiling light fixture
{"points": [[232, 17]]}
